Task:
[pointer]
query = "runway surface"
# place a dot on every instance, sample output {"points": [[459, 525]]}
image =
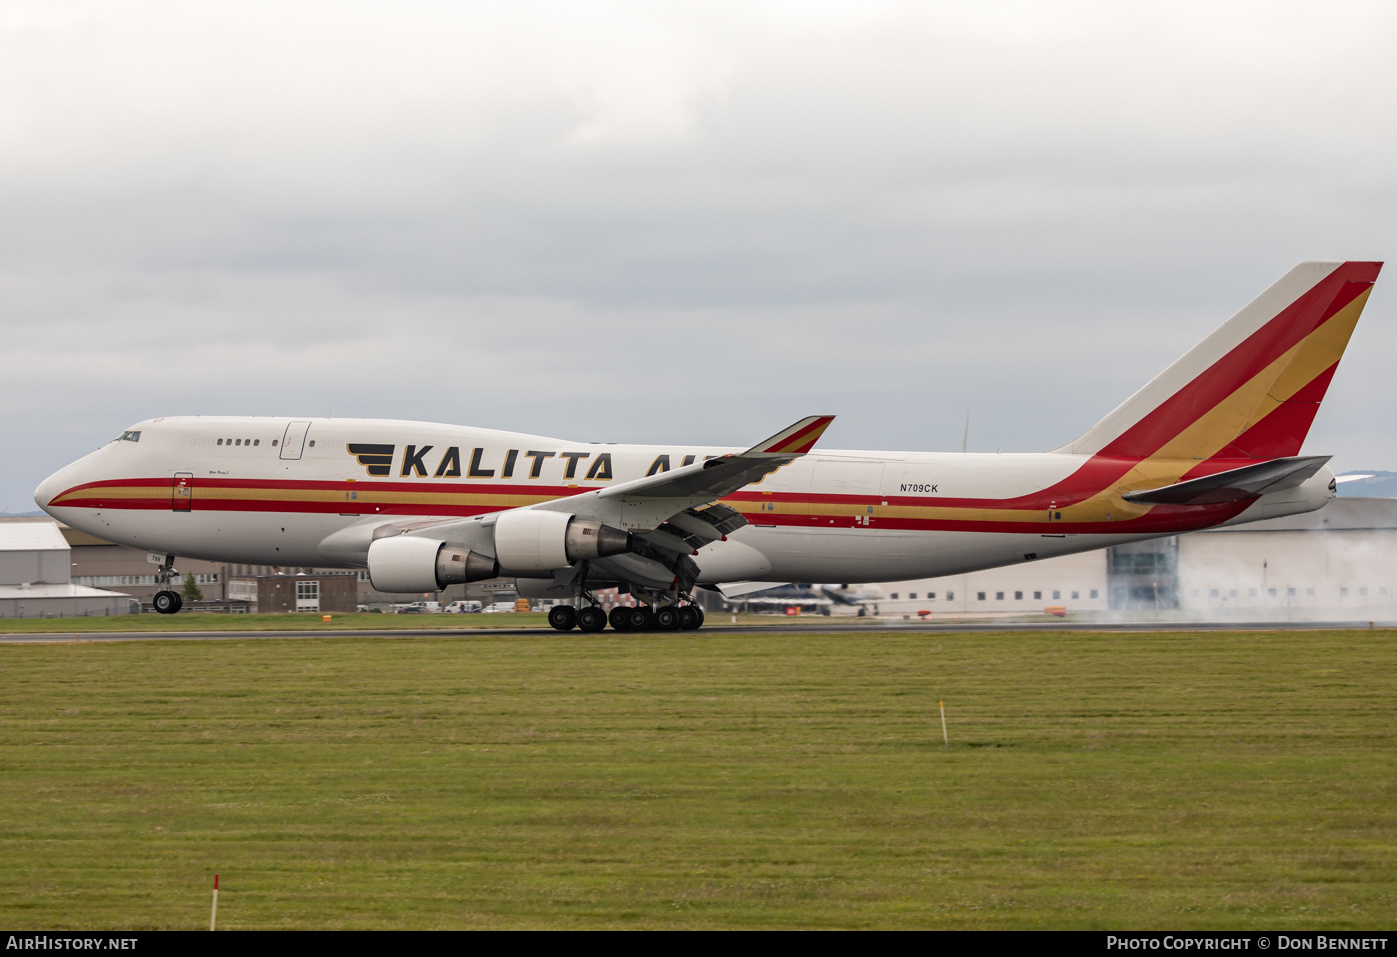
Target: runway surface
{"points": [[821, 628]]}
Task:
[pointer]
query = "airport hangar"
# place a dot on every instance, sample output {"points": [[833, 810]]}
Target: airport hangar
{"points": [[1338, 563]]}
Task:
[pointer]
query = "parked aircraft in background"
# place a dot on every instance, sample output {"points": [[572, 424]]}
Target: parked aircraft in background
{"points": [[1214, 439]]}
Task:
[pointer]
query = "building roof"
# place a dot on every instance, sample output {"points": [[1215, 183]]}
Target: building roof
{"points": [[31, 537], [42, 592], [1339, 515]]}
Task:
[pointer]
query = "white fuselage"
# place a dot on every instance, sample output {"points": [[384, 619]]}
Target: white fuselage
{"points": [[292, 492]]}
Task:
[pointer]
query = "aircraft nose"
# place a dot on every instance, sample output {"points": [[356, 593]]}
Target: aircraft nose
{"points": [[44, 493], [53, 486]]}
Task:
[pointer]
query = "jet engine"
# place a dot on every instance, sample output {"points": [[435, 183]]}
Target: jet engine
{"points": [[406, 563], [532, 540]]}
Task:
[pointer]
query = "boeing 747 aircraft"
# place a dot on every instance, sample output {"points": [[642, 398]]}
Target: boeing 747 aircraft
{"points": [[1213, 440]]}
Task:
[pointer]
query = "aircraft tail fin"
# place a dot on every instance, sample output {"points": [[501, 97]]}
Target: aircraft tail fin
{"points": [[1251, 389]]}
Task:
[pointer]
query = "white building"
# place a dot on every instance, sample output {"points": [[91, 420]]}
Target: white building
{"points": [[1339, 563], [35, 568], [1335, 564], [1076, 582]]}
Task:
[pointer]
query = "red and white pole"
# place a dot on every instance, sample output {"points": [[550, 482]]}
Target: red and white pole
{"points": [[213, 914]]}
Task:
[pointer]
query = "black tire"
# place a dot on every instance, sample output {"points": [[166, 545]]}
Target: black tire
{"points": [[563, 617], [688, 618], [591, 619], [166, 602], [621, 618], [179, 601], [642, 619], [667, 618], [698, 611]]}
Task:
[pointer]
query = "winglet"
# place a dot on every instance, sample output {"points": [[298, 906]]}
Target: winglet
{"points": [[796, 440]]}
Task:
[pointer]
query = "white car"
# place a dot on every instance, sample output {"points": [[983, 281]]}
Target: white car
{"points": [[463, 607], [499, 606]]}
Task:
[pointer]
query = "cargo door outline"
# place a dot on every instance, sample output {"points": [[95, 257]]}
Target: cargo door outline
{"points": [[182, 492], [293, 442]]}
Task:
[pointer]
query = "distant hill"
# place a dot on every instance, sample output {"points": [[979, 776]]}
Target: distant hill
{"points": [[19, 514], [1381, 485]]}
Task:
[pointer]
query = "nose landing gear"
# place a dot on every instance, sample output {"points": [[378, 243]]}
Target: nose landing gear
{"points": [[166, 601]]}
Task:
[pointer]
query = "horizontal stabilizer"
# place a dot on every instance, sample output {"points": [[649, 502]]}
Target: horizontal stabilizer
{"points": [[1234, 485]]}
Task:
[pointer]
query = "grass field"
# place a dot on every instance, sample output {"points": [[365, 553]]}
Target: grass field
{"points": [[365, 621], [1180, 780], [305, 621]]}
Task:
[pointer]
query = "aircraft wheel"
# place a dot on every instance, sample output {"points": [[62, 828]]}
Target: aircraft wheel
{"points": [[166, 602], [698, 611], [667, 618], [688, 618], [621, 618], [642, 619], [591, 619], [563, 617]]}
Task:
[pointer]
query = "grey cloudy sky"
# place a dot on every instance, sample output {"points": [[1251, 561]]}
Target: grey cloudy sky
{"points": [[673, 222]]}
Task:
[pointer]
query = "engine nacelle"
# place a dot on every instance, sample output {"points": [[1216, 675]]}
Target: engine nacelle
{"points": [[534, 540], [408, 563]]}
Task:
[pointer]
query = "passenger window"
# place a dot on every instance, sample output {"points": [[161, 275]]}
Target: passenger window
{"points": [[256, 442], [239, 442], [312, 443], [274, 443], [220, 441]]}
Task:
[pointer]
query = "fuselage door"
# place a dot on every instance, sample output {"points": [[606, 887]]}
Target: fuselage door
{"points": [[182, 499], [294, 441]]}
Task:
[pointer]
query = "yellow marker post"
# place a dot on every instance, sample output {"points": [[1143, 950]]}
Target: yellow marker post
{"points": [[944, 736], [213, 912]]}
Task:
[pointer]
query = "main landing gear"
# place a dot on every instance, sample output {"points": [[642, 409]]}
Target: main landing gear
{"points": [[639, 618], [166, 601]]}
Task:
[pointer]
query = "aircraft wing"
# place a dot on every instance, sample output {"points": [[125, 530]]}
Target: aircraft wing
{"points": [[671, 514], [716, 477], [1234, 484]]}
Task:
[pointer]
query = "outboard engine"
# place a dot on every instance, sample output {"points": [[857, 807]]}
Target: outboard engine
{"points": [[533, 540]]}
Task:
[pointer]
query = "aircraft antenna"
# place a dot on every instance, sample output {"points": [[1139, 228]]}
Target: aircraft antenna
{"points": [[965, 439]]}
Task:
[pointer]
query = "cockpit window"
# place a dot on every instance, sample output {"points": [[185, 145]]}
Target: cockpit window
{"points": [[129, 436]]}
